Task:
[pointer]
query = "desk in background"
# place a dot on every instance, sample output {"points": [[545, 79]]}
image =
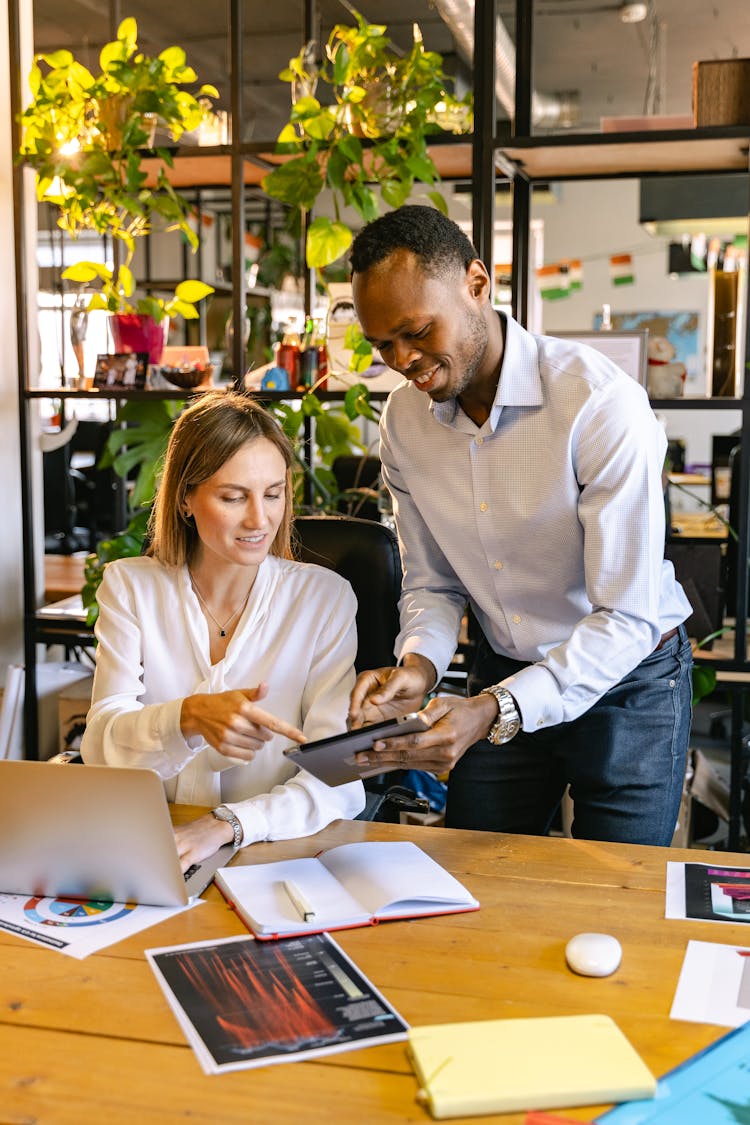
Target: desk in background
{"points": [[63, 576], [697, 525], [95, 1039]]}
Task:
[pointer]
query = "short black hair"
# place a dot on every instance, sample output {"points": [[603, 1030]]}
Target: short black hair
{"points": [[436, 240]]}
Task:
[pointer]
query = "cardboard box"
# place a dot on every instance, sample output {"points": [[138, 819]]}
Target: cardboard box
{"points": [[73, 703], [55, 678]]}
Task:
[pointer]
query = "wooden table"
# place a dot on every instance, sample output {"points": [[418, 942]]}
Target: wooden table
{"points": [[63, 576], [95, 1040], [697, 525]]}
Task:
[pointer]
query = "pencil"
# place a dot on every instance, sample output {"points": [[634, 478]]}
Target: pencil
{"points": [[299, 901]]}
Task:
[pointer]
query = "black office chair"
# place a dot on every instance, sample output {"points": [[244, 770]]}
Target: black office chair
{"points": [[366, 554], [352, 473], [734, 519]]}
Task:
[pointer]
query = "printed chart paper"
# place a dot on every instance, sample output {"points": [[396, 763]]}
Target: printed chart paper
{"points": [[708, 892], [244, 1003], [75, 927]]}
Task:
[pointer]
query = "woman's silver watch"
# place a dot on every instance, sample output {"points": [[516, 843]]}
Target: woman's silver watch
{"points": [[223, 813], [508, 721]]}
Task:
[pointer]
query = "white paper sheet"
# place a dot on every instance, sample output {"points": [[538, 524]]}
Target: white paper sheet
{"points": [[714, 985], [78, 928]]}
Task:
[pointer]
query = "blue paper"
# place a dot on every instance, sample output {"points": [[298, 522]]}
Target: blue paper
{"points": [[711, 1088]]}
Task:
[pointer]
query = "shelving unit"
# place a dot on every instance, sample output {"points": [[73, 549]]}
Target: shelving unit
{"points": [[527, 159], [483, 159]]}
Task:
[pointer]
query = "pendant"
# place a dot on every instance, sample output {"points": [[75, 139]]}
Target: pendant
{"points": [[222, 633]]}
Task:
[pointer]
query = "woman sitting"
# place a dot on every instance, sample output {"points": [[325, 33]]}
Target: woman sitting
{"points": [[216, 649]]}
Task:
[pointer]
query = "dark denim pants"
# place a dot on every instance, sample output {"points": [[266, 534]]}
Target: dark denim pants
{"points": [[624, 759]]}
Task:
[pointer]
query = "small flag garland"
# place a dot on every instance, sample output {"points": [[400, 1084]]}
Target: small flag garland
{"points": [[621, 269]]}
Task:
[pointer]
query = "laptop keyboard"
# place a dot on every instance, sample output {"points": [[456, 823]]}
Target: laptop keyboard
{"points": [[191, 871]]}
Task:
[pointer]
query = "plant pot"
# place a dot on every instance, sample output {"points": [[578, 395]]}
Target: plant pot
{"points": [[133, 332]]}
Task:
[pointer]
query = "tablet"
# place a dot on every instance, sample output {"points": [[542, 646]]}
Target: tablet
{"points": [[332, 759]]}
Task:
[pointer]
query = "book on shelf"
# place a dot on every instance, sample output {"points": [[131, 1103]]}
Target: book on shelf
{"points": [[347, 886], [511, 1065]]}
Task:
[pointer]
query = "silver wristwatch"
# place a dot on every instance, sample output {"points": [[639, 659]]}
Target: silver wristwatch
{"points": [[508, 721], [223, 813]]}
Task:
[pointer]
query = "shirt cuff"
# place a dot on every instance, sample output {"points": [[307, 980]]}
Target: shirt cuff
{"points": [[254, 823], [417, 647], [536, 692]]}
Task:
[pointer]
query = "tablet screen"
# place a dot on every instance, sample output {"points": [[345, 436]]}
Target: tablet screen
{"points": [[333, 759]]}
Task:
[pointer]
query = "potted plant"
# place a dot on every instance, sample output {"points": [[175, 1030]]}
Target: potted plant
{"points": [[137, 322], [384, 107], [84, 135]]}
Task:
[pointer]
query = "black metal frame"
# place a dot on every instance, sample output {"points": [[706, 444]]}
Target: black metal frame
{"points": [[487, 155]]}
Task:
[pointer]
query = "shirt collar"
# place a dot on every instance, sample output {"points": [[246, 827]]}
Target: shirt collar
{"points": [[520, 382]]}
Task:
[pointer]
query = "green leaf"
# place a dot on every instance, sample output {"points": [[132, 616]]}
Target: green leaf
{"points": [[396, 192], [437, 199], [174, 57], [361, 349], [357, 403], [83, 272], [326, 241], [340, 64], [296, 183], [422, 168], [193, 291], [126, 280], [704, 681]]}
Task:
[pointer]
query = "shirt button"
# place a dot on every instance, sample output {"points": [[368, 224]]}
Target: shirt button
{"points": [[479, 441], [540, 722], [516, 619], [498, 565], [483, 507]]}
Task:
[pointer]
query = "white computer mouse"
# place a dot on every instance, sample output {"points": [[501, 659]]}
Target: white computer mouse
{"points": [[593, 955]]}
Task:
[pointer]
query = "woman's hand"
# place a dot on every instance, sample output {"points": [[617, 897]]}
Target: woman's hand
{"points": [[232, 722], [201, 838]]}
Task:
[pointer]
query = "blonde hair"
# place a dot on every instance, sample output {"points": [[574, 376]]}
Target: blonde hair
{"points": [[204, 437]]}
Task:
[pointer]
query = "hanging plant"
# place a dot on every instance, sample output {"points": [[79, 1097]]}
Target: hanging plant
{"points": [[84, 133], [384, 106]]}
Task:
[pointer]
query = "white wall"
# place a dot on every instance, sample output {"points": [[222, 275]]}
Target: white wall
{"points": [[593, 220], [11, 592]]}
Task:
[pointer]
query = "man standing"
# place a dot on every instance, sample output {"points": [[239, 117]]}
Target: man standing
{"points": [[525, 474]]}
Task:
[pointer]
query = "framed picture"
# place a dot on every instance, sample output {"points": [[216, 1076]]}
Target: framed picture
{"points": [[121, 369], [628, 349]]}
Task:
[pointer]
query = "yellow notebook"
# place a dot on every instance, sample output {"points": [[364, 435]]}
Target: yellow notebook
{"points": [[502, 1066]]}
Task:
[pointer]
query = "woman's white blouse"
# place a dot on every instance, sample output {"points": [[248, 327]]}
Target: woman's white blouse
{"points": [[297, 633]]}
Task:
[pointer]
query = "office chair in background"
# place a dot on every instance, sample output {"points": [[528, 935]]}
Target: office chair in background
{"points": [[352, 472], [366, 554]]}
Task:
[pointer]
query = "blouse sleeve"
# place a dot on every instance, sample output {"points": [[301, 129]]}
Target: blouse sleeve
{"points": [[120, 729]]}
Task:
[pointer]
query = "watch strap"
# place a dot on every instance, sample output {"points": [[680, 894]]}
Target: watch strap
{"points": [[226, 814], [508, 721]]}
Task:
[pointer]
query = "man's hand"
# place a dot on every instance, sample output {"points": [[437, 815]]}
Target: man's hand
{"points": [[455, 725], [385, 693], [232, 722]]}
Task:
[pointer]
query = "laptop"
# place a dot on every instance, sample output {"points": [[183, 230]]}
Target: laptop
{"points": [[93, 832]]}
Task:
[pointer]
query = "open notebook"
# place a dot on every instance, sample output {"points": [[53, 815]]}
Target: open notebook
{"points": [[351, 885]]}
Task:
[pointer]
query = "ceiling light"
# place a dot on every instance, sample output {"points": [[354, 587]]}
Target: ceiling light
{"points": [[633, 13]]}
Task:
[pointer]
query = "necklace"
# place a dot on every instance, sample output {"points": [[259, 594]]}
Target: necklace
{"points": [[222, 628]]}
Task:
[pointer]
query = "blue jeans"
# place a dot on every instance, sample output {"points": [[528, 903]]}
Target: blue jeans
{"points": [[624, 759]]}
